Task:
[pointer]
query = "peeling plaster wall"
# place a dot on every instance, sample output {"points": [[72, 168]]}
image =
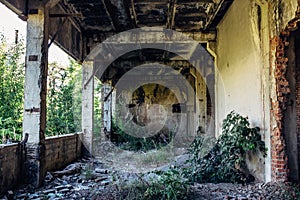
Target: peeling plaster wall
{"points": [[240, 68]]}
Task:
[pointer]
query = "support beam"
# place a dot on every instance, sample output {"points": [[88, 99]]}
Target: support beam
{"points": [[201, 101], [88, 106], [34, 122], [107, 108], [171, 14], [51, 3]]}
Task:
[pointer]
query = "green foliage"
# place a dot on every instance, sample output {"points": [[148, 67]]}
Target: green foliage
{"points": [[11, 89], [63, 99], [226, 161], [170, 185], [292, 191], [97, 107], [167, 185], [128, 142]]}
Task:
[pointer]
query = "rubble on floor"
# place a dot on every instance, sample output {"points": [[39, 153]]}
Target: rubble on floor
{"points": [[90, 179], [254, 191]]}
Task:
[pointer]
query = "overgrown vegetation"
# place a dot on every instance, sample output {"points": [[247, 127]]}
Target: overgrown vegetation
{"points": [[170, 185], [64, 99], [128, 142], [11, 89], [226, 161], [167, 185]]}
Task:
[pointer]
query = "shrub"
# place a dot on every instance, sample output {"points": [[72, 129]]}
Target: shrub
{"points": [[226, 161]]}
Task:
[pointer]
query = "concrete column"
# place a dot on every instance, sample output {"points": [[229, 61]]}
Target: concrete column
{"points": [[201, 102], [107, 109], [88, 105], [34, 121]]}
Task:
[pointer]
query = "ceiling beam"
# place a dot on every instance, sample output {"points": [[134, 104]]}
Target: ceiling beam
{"points": [[171, 14], [109, 14], [51, 3], [149, 2], [217, 13], [195, 1], [133, 13]]}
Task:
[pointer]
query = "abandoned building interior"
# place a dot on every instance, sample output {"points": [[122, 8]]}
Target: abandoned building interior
{"points": [[241, 55]]}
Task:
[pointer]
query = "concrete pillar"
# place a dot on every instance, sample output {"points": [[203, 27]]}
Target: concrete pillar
{"points": [[88, 105], [107, 109], [202, 102], [34, 121]]}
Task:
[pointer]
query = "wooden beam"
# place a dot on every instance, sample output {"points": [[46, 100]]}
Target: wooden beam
{"points": [[195, 1], [51, 3], [109, 14], [149, 2], [18, 7], [134, 16], [216, 13], [171, 14], [65, 15]]}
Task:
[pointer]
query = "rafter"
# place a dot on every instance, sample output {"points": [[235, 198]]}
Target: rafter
{"points": [[134, 16], [171, 14], [109, 14]]}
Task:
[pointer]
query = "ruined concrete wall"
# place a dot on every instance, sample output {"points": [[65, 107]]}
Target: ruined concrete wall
{"points": [[251, 57], [240, 66], [62, 150], [10, 166], [144, 107]]}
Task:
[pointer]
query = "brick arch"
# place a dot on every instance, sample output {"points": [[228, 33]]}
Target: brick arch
{"points": [[278, 144]]}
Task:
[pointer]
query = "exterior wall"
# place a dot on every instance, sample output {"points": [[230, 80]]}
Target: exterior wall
{"points": [[10, 166], [241, 70], [62, 150]]}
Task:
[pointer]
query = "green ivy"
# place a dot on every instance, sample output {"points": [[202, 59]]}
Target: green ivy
{"points": [[226, 161]]}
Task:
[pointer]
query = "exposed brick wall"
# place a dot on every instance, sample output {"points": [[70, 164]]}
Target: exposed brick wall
{"points": [[278, 153], [62, 150], [278, 145], [10, 166]]}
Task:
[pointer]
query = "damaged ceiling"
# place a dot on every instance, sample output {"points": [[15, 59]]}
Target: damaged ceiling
{"points": [[78, 25], [121, 15]]}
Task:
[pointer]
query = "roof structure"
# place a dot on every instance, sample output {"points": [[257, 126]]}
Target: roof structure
{"points": [[77, 25]]}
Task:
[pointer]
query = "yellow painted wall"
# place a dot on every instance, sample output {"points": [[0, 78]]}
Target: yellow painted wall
{"points": [[241, 69]]}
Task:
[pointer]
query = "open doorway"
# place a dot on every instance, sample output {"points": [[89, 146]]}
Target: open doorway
{"points": [[292, 113]]}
